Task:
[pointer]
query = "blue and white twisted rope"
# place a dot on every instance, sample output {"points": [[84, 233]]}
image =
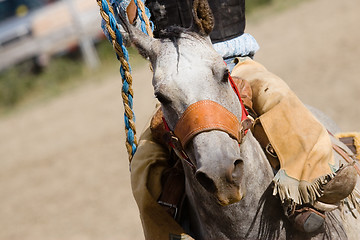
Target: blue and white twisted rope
{"points": [[115, 37]]}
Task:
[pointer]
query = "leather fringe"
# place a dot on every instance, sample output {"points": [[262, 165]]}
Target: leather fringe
{"points": [[352, 203], [299, 192], [354, 199]]}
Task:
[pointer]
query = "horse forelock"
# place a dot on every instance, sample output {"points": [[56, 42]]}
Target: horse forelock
{"points": [[174, 33]]}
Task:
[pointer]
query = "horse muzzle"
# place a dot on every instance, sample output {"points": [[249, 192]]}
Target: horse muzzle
{"points": [[226, 192], [220, 170]]}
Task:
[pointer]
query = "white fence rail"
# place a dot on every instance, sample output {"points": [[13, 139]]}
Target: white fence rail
{"points": [[55, 28]]}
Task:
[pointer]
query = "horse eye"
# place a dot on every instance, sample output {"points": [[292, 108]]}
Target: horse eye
{"points": [[162, 98]]}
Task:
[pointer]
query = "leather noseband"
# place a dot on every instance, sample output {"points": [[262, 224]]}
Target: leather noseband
{"points": [[206, 115]]}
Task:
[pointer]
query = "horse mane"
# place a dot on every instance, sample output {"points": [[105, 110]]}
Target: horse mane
{"points": [[175, 32]]}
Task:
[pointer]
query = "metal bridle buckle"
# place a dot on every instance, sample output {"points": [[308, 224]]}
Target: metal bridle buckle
{"points": [[177, 147], [271, 151], [170, 206]]}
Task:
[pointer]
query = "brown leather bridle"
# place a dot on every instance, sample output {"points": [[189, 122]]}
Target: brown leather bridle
{"points": [[204, 116]]}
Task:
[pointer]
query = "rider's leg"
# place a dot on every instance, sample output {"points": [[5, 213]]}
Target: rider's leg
{"points": [[149, 162], [305, 154]]}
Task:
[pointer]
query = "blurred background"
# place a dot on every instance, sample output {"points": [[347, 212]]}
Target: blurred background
{"points": [[63, 164]]}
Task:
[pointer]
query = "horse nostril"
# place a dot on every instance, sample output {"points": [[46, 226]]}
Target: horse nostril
{"points": [[206, 182], [238, 169], [238, 162]]}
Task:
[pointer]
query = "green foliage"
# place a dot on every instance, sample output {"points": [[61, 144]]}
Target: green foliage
{"points": [[20, 81]]}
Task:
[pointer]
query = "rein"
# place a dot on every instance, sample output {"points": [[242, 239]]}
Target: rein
{"points": [[204, 116]]}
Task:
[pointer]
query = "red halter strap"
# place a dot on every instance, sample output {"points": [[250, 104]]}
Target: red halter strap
{"points": [[175, 144], [236, 90]]}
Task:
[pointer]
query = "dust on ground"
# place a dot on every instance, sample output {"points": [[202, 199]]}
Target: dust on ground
{"points": [[63, 165]]}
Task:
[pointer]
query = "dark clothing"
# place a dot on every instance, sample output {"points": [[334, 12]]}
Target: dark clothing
{"points": [[229, 16]]}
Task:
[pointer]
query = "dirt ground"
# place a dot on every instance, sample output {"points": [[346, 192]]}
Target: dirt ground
{"points": [[63, 165]]}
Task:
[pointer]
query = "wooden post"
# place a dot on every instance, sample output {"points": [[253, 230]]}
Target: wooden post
{"points": [[86, 44]]}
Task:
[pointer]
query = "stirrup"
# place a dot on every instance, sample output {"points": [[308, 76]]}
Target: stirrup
{"points": [[307, 219]]}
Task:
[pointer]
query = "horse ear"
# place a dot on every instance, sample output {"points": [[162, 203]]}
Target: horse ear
{"points": [[146, 45], [203, 17]]}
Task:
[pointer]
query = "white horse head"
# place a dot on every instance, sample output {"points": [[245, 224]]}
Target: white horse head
{"points": [[188, 70]]}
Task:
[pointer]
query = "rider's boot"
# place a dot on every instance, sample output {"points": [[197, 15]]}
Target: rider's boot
{"points": [[311, 217]]}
